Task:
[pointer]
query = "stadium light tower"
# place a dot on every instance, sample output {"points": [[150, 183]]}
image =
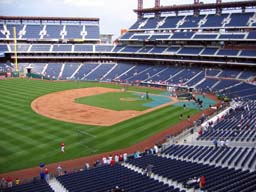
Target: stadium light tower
{"points": [[196, 11], [140, 7], [218, 9], [157, 5]]}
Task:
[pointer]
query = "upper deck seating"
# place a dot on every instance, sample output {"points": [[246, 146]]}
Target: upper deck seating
{"points": [[33, 31], [73, 31]]}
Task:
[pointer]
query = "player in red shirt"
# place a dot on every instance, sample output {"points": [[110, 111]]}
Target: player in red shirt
{"points": [[62, 146]]}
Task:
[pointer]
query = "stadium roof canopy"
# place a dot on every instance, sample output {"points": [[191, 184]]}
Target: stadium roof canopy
{"points": [[49, 18], [200, 6]]}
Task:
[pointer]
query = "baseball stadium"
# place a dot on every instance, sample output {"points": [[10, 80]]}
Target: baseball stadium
{"points": [[167, 106]]}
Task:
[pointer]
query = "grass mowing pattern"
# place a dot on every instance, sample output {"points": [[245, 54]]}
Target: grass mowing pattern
{"points": [[112, 101], [27, 138]]}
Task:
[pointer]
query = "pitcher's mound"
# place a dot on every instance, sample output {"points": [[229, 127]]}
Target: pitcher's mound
{"points": [[128, 99]]}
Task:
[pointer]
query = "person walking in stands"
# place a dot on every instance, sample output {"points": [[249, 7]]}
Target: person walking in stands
{"points": [[201, 183], [62, 147], [125, 157], [59, 170], [215, 142], [9, 182], [17, 181], [3, 183], [46, 172]]}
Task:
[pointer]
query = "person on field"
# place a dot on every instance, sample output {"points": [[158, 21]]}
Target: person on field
{"points": [[62, 147], [46, 173]]}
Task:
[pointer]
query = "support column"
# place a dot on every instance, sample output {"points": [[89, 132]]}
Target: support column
{"points": [[157, 5], [218, 9], [196, 11], [140, 7]]}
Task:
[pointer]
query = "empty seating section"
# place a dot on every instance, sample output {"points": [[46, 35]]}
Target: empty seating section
{"points": [[207, 84], [99, 72], [191, 21], [3, 48], [103, 48], [171, 22], [147, 74], [223, 84], [127, 35], [83, 48], [213, 72], [17, 27], [196, 79], [243, 90], [217, 178], [117, 71], [137, 24], [20, 47], [53, 71], [106, 178], [207, 80], [118, 48], [151, 23], [172, 49], [229, 52], [69, 69], [209, 51], [53, 32], [214, 21], [248, 53], [134, 71], [22, 66], [159, 37], [231, 36], [229, 73], [190, 50], [145, 49], [239, 19], [5, 68], [182, 35], [165, 74], [33, 31], [40, 186], [251, 35], [84, 70], [210, 154], [62, 47], [184, 75], [40, 47], [37, 67], [131, 49], [247, 74], [238, 125], [140, 37], [2, 33], [205, 36], [92, 32], [74, 31], [158, 49]]}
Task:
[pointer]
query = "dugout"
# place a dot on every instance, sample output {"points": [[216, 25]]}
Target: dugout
{"points": [[180, 91]]}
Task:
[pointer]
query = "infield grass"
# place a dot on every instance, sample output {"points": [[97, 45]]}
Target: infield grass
{"points": [[118, 101], [27, 138]]}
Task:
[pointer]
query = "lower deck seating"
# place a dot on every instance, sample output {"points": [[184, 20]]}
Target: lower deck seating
{"points": [[217, 179], [37, 186], [107, 177]]}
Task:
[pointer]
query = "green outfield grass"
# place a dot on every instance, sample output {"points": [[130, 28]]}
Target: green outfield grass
{"points": [[27, 138], [118, 101]]}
